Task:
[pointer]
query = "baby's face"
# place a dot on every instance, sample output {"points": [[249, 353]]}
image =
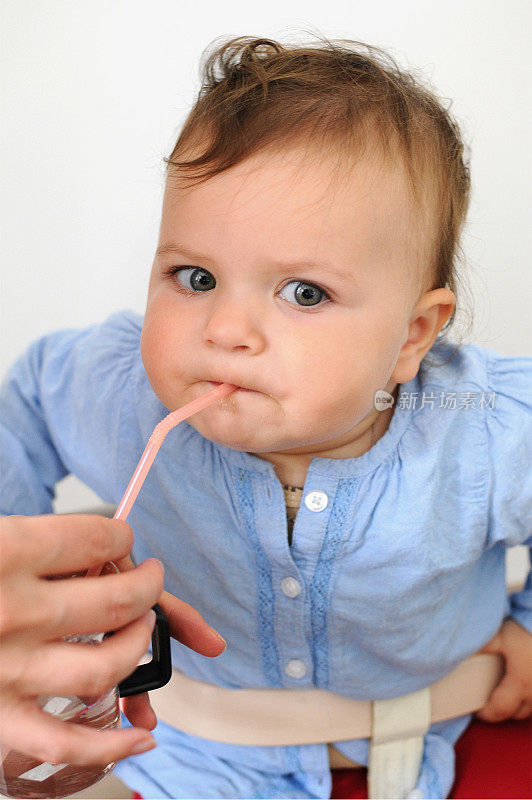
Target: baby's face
{"points": [[274, 278]]}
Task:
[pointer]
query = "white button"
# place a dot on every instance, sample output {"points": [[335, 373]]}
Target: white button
{"points": [[290, 587], [316, 501], [295, 668]]}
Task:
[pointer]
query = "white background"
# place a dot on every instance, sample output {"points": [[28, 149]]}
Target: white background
{"points": [[95, 91]]}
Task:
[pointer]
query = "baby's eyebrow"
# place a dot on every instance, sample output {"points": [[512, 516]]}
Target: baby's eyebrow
{"points": [[295, 266]]}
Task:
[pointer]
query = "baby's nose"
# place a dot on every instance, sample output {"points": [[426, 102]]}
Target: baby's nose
{"points": [[232, 325]]}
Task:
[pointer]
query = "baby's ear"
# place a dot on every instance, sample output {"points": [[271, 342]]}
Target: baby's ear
{"points": [[428, 317]]}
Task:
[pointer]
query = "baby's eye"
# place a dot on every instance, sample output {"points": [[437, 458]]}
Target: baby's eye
{"points": [[200, 279], [306, 294]]}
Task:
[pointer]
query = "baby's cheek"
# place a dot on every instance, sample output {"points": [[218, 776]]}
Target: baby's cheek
{"points": [[157, 360], [144, 345], [344, 392], [148, 349], [326, 417]]}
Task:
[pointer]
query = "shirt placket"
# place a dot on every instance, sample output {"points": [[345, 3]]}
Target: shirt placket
{"points": [[292, 569]]}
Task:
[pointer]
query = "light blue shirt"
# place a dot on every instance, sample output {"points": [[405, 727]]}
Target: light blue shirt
{"points": [[401, 572]]}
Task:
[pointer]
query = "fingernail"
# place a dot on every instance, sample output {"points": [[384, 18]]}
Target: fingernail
{"points": [[221, 638], [160, 563], [143, 746]]}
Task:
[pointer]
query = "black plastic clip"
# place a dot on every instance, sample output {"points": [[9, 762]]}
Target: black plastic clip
{"points": [[158, 671]]}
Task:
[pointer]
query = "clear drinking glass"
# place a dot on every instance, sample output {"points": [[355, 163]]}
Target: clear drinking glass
{"points": [[24, 776]]}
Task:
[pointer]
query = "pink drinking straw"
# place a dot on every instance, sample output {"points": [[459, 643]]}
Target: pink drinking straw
{"points": [[152, 448]]}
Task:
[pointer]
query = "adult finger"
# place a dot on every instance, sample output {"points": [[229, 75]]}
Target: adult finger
{"points": [[87, 670], [48, 739], [189, 627], [88, 605], [186, 623], [138, 710], [125, 564], [56, 544]]}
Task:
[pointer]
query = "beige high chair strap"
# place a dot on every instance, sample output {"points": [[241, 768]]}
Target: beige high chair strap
{"points": [[396, 744], [308, 716]]}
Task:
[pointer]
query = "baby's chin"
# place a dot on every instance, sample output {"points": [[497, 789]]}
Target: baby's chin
{"points": [[237, 439], [237, 436]]}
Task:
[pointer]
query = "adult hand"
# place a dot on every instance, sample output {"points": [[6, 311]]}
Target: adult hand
{"points": [[35, 613]]}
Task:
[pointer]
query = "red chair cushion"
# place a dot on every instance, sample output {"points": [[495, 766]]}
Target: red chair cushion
{"points": [[492, 761]]}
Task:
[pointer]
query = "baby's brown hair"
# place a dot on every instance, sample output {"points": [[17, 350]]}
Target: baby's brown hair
{"points": [[342, 96]]}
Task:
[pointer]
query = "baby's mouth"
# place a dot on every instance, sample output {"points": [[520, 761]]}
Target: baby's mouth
{"points": [[212, 384]]}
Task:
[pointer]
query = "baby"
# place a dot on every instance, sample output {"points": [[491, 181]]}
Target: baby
{"points": [[342, 517]]}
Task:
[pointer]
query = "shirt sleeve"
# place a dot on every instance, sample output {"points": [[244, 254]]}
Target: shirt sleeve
{"points": [[509, 430], [60, 409]]}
